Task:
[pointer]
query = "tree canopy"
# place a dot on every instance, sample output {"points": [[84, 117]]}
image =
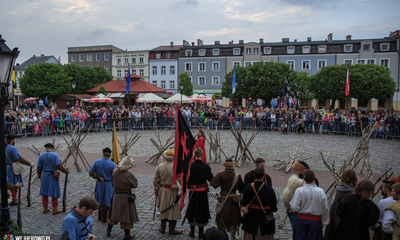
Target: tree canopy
{"points": [[87, 77], [187, 84]]}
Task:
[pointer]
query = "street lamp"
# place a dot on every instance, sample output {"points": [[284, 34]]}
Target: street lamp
{"points": [[181, 87], [73, 85], [7, 59]]}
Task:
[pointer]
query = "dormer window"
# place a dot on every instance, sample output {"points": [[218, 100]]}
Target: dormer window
{"points": [[290, 50], [216, 52], [306, 49], [236, 51], [321, 48], [384, 46], [267, 50], [188, 53], [202, 52], [348, 47], [366, 47]]}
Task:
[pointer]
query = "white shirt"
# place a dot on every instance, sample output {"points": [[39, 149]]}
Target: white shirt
{"points": [[311, 199], [382, 204], [389, 217]]}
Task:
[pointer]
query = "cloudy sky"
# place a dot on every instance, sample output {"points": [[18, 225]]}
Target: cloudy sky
{"points": [[51, 26]]}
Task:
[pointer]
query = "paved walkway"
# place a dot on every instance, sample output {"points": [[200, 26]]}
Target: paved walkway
{"points": [[269, 145]]}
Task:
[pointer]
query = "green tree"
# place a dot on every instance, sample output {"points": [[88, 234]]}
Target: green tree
{"points": [[187, 84], [301, 86], [44, 79], [87, 77], [102, 90]]}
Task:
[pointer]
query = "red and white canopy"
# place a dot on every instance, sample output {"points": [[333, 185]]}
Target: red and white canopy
{"points": [[177, 99], [31, 99], [200, 98], [101, 99], [150, 98]]}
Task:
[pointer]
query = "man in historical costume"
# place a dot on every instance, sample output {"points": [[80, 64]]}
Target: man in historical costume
{"points": [[201, 143], [229, 218], [77, 225], [10, 187], [50, 186], [123, 207], [102, 170], [310, 203], [254, 225], [12, 156], [249, 177], [391, 219], [198, 212], [167, 193]]}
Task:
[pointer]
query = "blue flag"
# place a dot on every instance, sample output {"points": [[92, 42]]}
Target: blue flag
{"points": [[128, 80], [233, 82]]}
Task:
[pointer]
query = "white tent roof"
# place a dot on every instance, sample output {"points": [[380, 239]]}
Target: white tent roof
{"points": [[177, 99], [150, 97]]}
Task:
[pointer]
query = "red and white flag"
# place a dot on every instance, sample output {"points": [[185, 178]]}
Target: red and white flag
{"points": [[347, 83]]}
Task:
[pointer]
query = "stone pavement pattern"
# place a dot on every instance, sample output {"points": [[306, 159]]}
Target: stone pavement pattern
{"points": [[267, 145]]}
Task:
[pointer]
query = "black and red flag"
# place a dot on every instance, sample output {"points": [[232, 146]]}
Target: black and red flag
{"points": [[184, 144]]}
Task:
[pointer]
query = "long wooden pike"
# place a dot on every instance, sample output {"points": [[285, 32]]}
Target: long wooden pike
{"points": [[28, 196], [64, 200], [19, 217]]}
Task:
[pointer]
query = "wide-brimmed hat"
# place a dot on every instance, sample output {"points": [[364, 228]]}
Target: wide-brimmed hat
{"points": [[168, 155], [126, 163], [392, 180]]}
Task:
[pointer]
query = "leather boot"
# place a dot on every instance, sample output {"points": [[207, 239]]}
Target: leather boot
{"points": [[201, 232], [128, 234], [163, 226], [109, 228], [191, 234], [100, 214], [14, 202], [46, 209], [104, 215], [172, 230], [233, 236], [56, 210]]}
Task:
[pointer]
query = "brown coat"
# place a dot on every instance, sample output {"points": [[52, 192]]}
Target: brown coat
{"points": [[231, 211], [121, 210]]}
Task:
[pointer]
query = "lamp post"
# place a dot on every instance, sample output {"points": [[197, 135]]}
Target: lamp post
{"points": [[181, 87], [7, 58], [73, 85]]}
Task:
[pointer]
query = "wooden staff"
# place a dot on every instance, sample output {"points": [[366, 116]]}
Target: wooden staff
{"points": [[28, 196], [64, 200], [19, 217]]}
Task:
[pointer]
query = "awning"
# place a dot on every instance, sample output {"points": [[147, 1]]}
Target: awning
{"points": [[116, 95]]}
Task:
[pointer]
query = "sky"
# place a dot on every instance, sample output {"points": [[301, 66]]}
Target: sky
{"points": [[51, 26]]}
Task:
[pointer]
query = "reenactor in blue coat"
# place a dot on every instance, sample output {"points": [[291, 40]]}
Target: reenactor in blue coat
{"points": [[102, 170], [50, 186]]}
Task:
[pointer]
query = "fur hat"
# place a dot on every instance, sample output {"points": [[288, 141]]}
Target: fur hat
{"points": [[168, 155], [300, 166], [229, 163], [126, 163]]}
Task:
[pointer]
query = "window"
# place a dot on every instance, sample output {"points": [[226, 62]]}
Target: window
{"points": [[236, 51], [255, 50], [141, 72], [366, 47], [126, 60], [381, 103], [248, 50], [163, 70], [384, 46], [158, 55], [133, 71], [384, 62], [267, 50], [118, 60], [73, 58], [321, 48], [133, 60], [348, 61], [290, 63], [154, 70], [371, 61], [215, 52], [141, 60], [306, 49], [321, 64], [119, 73], [168, 55], [126, 73], [202, 66], [20, 74], [188, 53], [290, 50], [306, 65], [106, 56], [163, 84], [188, 67], [215, 66], [215, 81], [171, 70], [321, 102], [154, 83], [361, 61], [89, 57], [97, 56], [348, 48], [80, 57], [202, 52], [362, 103], [106, 68], [172, 84], [236, 64], [246, 64], [202, 81]]}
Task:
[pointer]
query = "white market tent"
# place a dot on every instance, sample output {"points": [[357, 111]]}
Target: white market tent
{"points": [[177, 99], [101, 98], [200, 98], [150, 98]]}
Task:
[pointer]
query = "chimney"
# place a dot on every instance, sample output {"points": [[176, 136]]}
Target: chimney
{"points": [[185, 43], [216, 42], [199, 42], [59, 59], [193, 44], [261, 40], [348, 37], [34, 56], [308, 39], [172, 44], [295, 40], [42, 55], [330, 36], [285, 39], [394, 34], [241, 41]]}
